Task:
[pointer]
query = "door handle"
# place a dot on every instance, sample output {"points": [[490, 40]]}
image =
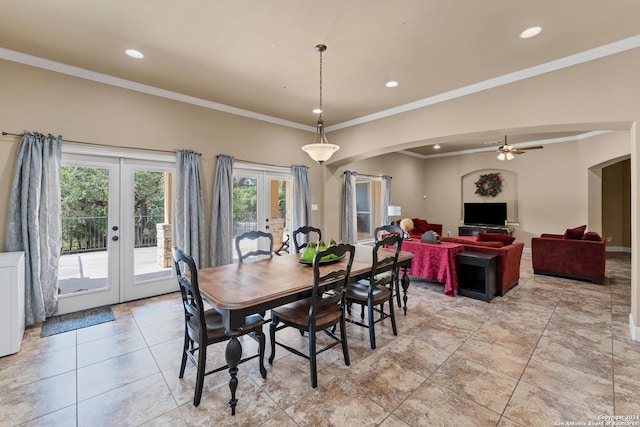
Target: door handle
{"points": [[114, 238]]}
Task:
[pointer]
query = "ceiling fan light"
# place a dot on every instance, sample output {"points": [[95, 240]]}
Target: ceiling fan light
{"points": [[509, 156], [501, 156]]}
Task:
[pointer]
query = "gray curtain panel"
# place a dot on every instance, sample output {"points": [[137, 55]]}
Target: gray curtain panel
{"points": [[220, 243], [349, 212], [188, 212], [34, 225], [300, 198], [386, 200]]}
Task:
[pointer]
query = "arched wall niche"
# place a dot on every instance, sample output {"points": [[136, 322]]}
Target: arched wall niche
{"points": [[509, 193]]}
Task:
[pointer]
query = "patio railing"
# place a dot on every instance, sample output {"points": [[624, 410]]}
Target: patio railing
{"points": [[89, 234]]}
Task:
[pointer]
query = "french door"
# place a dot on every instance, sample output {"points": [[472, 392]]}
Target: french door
{"points": [[116, 230], [261, 201]]}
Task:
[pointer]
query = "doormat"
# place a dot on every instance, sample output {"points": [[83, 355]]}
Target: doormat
{"points": [[80, 319]]}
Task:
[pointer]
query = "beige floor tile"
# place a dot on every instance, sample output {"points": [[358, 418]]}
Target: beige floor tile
{"points": [[37, 399], [112, 346], [336, 404], [114, 373], [129, 405], [65, 417], [574, 384], [433, 405], [533, 406], [510, 361], [472, 381]]}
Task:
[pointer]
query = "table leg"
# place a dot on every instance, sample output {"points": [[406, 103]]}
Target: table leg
{"points": [[405, 286], [233, 353]]}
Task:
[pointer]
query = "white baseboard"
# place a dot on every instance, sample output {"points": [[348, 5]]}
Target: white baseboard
{"points": [[618, 249], [635, 330]]}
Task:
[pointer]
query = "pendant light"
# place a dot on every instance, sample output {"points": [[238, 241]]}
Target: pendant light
{"points": [[320, 150]]}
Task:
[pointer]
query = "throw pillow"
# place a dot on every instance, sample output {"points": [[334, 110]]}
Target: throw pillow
{"points": [[575, 233], [421, 225], [407, 225], [496, 237], [591, 235]]}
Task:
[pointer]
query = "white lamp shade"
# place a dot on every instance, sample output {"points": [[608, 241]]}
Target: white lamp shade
{"points": [[501, 156], [320, 152], [394, 210]]}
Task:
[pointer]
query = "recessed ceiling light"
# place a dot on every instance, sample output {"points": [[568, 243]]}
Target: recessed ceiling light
{"points": [[392, 83], [134, 53], [436, 147], [530, 32], [317, 111]]}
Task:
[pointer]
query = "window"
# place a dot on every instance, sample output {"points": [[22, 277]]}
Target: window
{"points": [[368, 200]]}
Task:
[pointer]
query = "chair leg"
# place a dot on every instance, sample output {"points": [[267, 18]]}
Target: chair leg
{"points": [[261, 345], [185, 348], [272, 337], [372, 327], [392, 314], [202, 363], [312, 358], [343, 338]]}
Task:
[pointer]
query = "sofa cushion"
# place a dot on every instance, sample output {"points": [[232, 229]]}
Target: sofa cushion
{"points": [[407, 225], [420, 226], [575, 233], [496, 237], [591, 235]]}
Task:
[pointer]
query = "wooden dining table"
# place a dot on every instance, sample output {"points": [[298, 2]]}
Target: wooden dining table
{"points": [[238, 290]]}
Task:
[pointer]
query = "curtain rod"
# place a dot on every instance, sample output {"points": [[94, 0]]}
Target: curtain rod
{"points": [[258, 163], [370, 176], [101, 145]]}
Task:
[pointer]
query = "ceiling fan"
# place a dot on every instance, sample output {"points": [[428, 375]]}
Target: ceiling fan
{"points": [[506, 151]]}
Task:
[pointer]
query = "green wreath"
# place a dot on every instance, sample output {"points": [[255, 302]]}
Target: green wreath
{"points": [[489, 185]]}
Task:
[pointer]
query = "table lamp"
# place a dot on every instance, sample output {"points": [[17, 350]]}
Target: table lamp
{"points": [[393, 211]]}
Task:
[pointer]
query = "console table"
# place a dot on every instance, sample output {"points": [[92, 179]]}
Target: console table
{"points": [[474, 230], [435, 262], [477, 275]]}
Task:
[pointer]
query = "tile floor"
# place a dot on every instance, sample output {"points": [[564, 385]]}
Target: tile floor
{"points": [[552, 350]]}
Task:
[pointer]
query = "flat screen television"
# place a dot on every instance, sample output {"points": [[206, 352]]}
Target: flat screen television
{"points": [[485, 213]]}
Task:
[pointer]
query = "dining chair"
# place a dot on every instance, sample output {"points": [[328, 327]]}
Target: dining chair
{"points": [[322, 311], [381, 232], [258, 236], [305, 230], [377, 289], [204, 327]]}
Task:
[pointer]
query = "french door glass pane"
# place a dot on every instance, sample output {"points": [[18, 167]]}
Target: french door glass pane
{"points": [[84, 211], [279, 209], [363, 207], [152, 228], [245, 209]]}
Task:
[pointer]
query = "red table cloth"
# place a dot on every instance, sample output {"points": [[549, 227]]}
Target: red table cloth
{"points": [[435, 262]]}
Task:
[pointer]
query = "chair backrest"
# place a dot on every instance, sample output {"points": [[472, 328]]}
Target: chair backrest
{"points": [[191, 299], [383, 261], [254, 235], [327, 279], [304, 230], [387, 229]]}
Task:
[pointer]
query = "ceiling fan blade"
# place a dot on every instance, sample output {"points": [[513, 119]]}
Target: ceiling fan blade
{"points": [[537, 147], [517, 151]]}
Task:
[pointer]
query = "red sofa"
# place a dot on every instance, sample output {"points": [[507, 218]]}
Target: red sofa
{"points": [[580, 259], [509, 256]]}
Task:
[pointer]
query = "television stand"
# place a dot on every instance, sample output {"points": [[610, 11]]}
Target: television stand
{"points": [[474, 230]]}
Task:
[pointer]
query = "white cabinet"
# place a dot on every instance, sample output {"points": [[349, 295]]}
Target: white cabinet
{"points": [[11, 302]]}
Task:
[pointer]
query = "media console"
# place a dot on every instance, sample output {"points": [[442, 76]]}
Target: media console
{"points": [[474, 230]]}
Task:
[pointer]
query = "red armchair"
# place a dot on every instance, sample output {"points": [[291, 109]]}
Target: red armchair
{"points": [[580, 259]]}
